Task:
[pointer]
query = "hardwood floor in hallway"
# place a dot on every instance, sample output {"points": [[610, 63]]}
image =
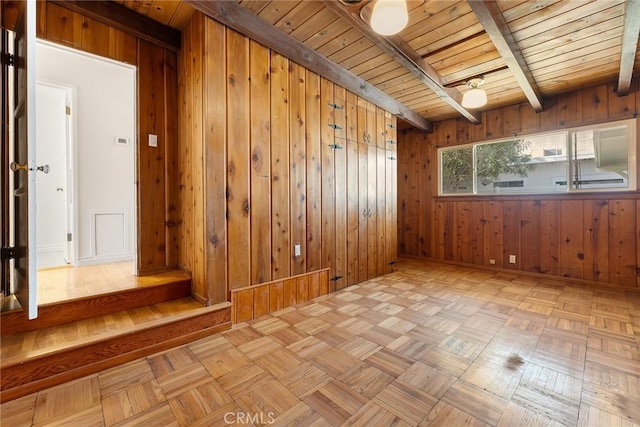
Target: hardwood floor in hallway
{"points": [[430, 344]]}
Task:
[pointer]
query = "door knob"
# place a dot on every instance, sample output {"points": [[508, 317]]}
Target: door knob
{"points": [[59, 189], [18, 167], [23, 167]]}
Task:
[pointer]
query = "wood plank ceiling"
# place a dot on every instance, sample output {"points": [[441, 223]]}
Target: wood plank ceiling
{"points": [[525, 50]]}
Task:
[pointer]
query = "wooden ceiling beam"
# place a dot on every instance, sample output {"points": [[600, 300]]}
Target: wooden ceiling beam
{"points": [[127, 20], [630, 36], [494, 24], [405, 55], [240, 19]]}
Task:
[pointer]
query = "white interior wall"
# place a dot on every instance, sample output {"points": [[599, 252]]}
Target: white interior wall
{"points": [[104, 109]]}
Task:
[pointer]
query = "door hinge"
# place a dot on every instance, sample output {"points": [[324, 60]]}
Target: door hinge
{"points": [[8, 59], [391, 158], [8, 252], [334, 126], [335, 106], [69, 235], [67, 110], [335, 146], [336, 278]]}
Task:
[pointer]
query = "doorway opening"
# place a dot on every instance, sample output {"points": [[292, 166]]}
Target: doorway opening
{"points": [[85, 204]]}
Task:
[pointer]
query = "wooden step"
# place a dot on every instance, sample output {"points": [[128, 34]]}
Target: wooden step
{"points": [[35, 360], [162, 287]]}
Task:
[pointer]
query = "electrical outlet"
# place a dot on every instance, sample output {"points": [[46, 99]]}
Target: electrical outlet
{"points": [[512, 259], [296, 250], [492, 261]]}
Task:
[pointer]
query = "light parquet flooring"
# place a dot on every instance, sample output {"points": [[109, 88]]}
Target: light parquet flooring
{"points": [[429, 344]]}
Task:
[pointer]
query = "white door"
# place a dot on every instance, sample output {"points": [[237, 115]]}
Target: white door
{"points": [[52, 188]]}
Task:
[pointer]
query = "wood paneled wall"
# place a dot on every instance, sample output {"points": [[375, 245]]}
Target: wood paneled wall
{"points": [[157, 175], [273, 156], [252, 302], [592, 236]]}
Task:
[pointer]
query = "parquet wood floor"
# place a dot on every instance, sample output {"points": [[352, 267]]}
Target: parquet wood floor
{"points": [[429, 344]]}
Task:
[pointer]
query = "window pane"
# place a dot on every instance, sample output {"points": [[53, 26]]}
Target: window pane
{"points": [[599, 158], [457, 170], [531, 164]]}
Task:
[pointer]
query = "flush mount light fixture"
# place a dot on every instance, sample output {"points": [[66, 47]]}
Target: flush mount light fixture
{"points": [[474, 98], [389, 17]]}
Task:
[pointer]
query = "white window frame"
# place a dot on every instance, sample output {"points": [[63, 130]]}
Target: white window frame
{"points": [[632, 160]]}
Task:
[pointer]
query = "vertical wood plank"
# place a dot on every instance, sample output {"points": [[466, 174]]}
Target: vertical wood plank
{"points": [[570, 108], [340, 112], [571, 238], [351, 114], [638, 238], [495, 123], [298, 185], [244, 306], [549, 237], [324, 282], [341, 212], [479, 222], [381, 210], [530, 236], [171, 165], [63, 26], [511, 120], [260, 163], [426, 189], [363, 206], [151, 160], [438, 230], [314, 285], [464, 232], [280, 196], [372, 211], [622, 237], [238, 178], [595, 103], [261, 301], [596, 242], [621, 106], [327, 118], [187, 84], [381, 140], [353, 213], [314, 173], [302, 289], [276, 296], [390, 215], [448, 234], [290, 292], [493, 243], [528, 118], [215, 134], [511, 234]]}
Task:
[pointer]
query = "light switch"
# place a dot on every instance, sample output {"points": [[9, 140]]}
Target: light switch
{"points": [[153, 140], [296, 250]]}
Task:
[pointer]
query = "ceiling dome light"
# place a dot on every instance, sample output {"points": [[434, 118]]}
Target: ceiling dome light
{"points": [[474, 98], [389, 17]]}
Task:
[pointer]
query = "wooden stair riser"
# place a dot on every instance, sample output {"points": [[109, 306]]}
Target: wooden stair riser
{"points": [[16, 321], [30, 376]]}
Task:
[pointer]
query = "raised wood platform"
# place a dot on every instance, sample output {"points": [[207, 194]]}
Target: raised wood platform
{"points": [[36, 360], [82, 335], [15, 321]]}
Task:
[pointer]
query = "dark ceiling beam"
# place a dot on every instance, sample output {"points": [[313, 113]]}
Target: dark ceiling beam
{"points": [[630, 36], [406, 56], [127, 20], [494, 24], [240, 19]]}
